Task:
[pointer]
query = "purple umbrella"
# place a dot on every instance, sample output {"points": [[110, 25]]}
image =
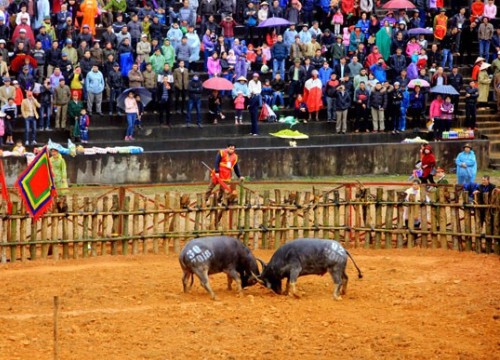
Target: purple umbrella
{"points": [[420, 31], [274, 22]]}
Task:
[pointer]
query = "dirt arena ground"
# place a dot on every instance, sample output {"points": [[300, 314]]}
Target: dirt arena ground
{"points": [[411, 304]]}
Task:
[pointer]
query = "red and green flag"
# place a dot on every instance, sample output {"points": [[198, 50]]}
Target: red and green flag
{"points": [[36, 185]]}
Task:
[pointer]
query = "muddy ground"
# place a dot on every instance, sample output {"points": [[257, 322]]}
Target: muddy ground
{"points": [[411, 304]]}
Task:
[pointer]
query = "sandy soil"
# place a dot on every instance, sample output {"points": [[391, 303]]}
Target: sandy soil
{"points": [[411, 304]]}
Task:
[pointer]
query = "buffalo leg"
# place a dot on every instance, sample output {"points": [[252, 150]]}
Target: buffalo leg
{"points": [[294, 275], [345, 281], [203, 275], [229, 282], [185, 281], [336, 275], [236, 277], [287, 289]]}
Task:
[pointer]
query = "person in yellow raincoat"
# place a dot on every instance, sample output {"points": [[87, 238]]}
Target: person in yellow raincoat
{"points": [[90, 10]]}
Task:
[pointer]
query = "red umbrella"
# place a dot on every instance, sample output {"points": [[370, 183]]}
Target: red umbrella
{"points": [[218, 83], [18, 62], [398, 4]]}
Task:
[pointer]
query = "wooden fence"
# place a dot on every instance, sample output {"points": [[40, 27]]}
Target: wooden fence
{"points": [[126, 222]]}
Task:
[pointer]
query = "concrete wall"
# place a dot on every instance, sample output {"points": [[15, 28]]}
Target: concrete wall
{"points": [[261, 163]]}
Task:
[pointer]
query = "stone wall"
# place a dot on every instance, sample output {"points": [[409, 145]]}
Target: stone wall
{"points": [[259, 163]]}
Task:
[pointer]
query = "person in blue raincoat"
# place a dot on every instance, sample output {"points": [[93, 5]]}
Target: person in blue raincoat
{"points": [[466, 165]]}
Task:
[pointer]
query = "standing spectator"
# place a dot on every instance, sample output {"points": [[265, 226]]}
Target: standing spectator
{"points": [[486, 187], [58, 165], [456, 80], [250, 16], [151, 83], [255, 87], [490, 10], [484, 81], [132, 112], [30, 114], [143, 49], [396, 97], [279, 53], [239, 106], [378, 104], [227, 25], [361, 97], [10, 110], [331, 97], [6, 91], [278, 86], [74, 107], [428, 164], [181, 83], [379, 71], [62, 95], [194, 100], [447, 110], [297, 75], [183, 52], [163, 96], [338, 50], [466, 165], [94, 83], [115, 83], [135, 78], [343, 103], [253, 108], [313, 91], [45, 98], [435, 115], [417, 106], [471, 96], [84, 123], [468, 35], [213, 65], [484, 34]]}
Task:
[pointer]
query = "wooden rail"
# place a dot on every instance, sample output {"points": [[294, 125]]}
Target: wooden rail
{"points": [[122, 223]]}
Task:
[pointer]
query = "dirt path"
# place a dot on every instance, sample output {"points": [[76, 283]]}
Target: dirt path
{"points": [[411, 304]]}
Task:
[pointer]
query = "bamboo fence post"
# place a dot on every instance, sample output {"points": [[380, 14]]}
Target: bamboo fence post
{"points": [[315, 212], [246, 217], [144, 230], [298, 205], [367, 211], [3, 235], [198, 214], [65, 233], [224, 215], [455, 224], [54, 227], [115, 225], [156, 229], [176, 221], [424, 226], [326, 218], [166, 222], [33, 237], [95, 227], [443, 219], [12, 234], [467, 221], [487, 224], [434, 220], [85, 231], [124, 231], [265, 220], [401, 219], [306, 219], [358, 223], [496, 222], [378, 217], [255, 217], [277, 219], [74, 224], [411, 222], [389, 212], [477, 225], [336, 214], [346, 206], [22, 233], [135, 224], [104, 227], [187, 218]]}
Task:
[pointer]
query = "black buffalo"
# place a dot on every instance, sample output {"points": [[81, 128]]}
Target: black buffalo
{"points": [[307, 257], [212, 255]]}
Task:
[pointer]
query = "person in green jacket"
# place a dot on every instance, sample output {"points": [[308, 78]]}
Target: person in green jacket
{"points": [[158, 61], [383, 40], [74, 107], [168, 52]]}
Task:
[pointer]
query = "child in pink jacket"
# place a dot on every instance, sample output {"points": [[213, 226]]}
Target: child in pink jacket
{"points": [[337, 21], [239, 106], [346, 36]]}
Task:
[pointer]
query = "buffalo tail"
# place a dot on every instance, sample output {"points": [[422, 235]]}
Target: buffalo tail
{"points": [[360, 275]]}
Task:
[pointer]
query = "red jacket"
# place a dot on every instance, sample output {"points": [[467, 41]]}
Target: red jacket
{"points": [[228, 28]]}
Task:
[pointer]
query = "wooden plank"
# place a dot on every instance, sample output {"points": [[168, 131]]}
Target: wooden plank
{"points": [[455, 224], [246, 217], [85, 231], [75, 219], [411, 222], [54, 227], [434, 221], [65, 230], [135, 224], [12, 234], [401, 219], [487, 225], [265, 220], [443, 219], [315, 212], [336, 215], [277, 220], [467, 221], [477, 226], [367, 208], [156, 222], [295, 214], [95, 227], [33, 237], [144, 225], [389, 212], [496, 227], [22, 233], [166, 222], [424, 225], [325, 211], [125, 220], [104, 226], [176, 222], [378, 217], [115, 225]]}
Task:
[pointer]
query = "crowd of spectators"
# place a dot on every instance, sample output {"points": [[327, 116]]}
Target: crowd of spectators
{"points": [[351, 58]]}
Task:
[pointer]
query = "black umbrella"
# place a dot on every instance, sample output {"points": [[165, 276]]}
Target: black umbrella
{"points": [[144, 93]]}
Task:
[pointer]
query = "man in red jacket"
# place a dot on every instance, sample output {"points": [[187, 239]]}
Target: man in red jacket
{"points": [[226, 162], [227, 24]]}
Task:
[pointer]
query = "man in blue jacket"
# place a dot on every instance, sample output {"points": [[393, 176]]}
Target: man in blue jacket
{"points": [[279, 52], [94, 83]]}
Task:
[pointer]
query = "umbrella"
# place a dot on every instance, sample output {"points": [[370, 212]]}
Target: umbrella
{"points": [[444, 90], [418, 82], [274, 21], [18, 62], [398, 4], [218, 83], [266, 112], [144, 93], [420, 31]]}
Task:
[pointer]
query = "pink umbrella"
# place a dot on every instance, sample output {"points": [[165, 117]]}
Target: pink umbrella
{"points": [[398, 4], [418, 82], [218, 83]]}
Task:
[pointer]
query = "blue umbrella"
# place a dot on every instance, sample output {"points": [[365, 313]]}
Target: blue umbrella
{"points": [[274, 21], [444, 90], [420, 31], [144, 93]]}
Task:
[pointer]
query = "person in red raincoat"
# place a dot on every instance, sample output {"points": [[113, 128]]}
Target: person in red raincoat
{"points": [[477, 10], [347, 7], [373, 57], [90, 10], [428, 165], [27, 29], [313, 92], [226, 162]]}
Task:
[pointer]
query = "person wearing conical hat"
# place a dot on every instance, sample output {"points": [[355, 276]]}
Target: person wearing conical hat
{"points": [[484, 81], [476, 68]]}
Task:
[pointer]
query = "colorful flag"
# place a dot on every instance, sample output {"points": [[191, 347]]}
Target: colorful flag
{"points": [[36, 185], [5, 191]]}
